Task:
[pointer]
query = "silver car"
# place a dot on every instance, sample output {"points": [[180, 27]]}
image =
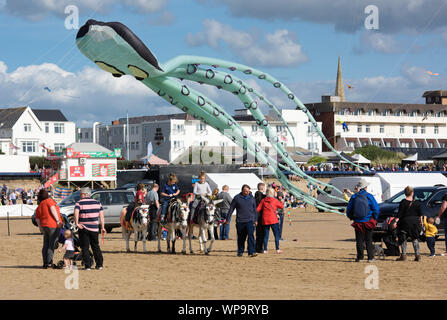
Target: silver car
{"points": [[113, 202]]}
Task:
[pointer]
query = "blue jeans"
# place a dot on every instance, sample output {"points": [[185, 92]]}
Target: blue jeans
{"points": [[164, 209], [281, 222], [225, 228], [445, 232], [431, 245], [245, 232], [276, 233]]}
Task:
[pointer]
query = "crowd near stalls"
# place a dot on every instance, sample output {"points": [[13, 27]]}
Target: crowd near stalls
{"points": [[11, 196]]}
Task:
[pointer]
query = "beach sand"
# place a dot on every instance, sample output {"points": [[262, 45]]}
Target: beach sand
{"points": [[317, 263]]}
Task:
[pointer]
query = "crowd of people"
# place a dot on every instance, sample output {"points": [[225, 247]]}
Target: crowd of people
{"points": [[10, 196], [410, 224], [256, 214]]}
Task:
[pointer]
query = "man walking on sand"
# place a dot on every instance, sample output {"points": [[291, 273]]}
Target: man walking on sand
{"points": [[364, 210], [89, 218], [246, 220]]}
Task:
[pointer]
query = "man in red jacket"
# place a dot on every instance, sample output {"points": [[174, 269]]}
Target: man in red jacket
{"points": [[269, 207]]}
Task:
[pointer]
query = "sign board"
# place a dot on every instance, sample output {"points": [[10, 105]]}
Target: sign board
{"points": [[77, 171]]}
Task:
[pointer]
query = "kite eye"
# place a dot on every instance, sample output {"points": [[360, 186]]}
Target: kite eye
{"points": [[138, 73], [107, 67]]}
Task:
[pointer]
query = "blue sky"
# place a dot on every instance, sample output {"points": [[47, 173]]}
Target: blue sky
{"points": [[296, 41]]}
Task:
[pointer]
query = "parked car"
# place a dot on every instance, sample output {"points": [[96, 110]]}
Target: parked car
{"points": [[133, 186], [113, 202], [341, 183], [429, 197]]}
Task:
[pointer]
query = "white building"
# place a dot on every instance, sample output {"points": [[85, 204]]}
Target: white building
{"points": [[171, 135], [33, 132], [397, 126]]}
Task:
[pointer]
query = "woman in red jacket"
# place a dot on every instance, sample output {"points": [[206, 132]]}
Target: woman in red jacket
{"points": [[269, 206]]}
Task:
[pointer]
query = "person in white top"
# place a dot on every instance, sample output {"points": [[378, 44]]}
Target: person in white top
{"points": [[201, 189], [69, 249]]}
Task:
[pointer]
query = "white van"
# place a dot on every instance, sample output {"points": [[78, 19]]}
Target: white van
{"points": [[394, 182], [374, 187]]}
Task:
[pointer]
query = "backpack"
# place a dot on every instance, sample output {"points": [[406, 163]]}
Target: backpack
{"points": [[360, 206]]}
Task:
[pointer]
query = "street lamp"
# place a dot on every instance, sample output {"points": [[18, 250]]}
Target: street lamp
{"points": [[94, 130], [312, 133]]}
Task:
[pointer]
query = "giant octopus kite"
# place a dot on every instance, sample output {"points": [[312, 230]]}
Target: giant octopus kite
{"points": [[116, 49]]}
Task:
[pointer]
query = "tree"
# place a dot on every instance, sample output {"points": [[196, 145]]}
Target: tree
{"points": [[316, 160]]}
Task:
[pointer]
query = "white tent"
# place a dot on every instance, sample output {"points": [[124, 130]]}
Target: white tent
{"points": [[412, 158], [234, 181], [361, 159], [393, 182]]}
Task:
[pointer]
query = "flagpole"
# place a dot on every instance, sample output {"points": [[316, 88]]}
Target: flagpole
{"points": [[127, 129]]}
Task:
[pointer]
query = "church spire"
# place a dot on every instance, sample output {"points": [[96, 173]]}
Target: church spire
{"points": [[339, 88]]}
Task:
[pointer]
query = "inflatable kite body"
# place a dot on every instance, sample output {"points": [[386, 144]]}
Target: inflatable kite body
{"points": [[116, 49]]}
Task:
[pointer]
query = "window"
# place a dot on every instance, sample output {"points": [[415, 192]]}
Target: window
{"points": [[280, 128], [368, 128], [359, 128], [59, 128], [422, 129], [58, 147], [358, 112], [137, 130], [351, 144], [382, 128], [201, 127], [132, 130], [371, 112], [28, 146], [384, 113], [430, 144], [415, 129], [137, 145], [405, 144], [179, 128], [254, 128], [47, 127], [402, 128], [436, 129], [413, 113], [27, 127], [180, 144]]}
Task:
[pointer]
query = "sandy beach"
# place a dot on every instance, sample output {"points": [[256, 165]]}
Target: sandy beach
{"points": [[317, 263]]}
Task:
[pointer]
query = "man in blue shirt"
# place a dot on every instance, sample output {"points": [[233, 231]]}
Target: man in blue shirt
{"points": [[246, 220], [169, 191], [364, 210]]}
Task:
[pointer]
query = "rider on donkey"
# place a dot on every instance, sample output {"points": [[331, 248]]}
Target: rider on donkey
{"points": [[169, 191], [201, 188]]}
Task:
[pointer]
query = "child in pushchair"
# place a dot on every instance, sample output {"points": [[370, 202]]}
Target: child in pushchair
{"points": [[390, 238]]}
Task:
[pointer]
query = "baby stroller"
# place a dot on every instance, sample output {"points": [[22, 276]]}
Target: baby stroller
{"points": [[61, 240]]}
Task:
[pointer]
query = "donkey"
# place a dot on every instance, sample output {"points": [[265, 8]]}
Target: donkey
{"points": [[138, 223], [206, 222], [176, 219]]}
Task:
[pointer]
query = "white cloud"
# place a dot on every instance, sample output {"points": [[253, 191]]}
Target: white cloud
{"points": [[39, 9], [345, 15], [86, 96], [277, 49]]}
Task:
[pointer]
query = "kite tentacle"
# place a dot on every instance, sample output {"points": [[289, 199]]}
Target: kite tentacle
{"points": [[193, 60], [171, 92], [218, 79]]}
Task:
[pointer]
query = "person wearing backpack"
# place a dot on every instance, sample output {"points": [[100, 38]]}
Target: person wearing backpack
{"points": [[364, 211]]}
